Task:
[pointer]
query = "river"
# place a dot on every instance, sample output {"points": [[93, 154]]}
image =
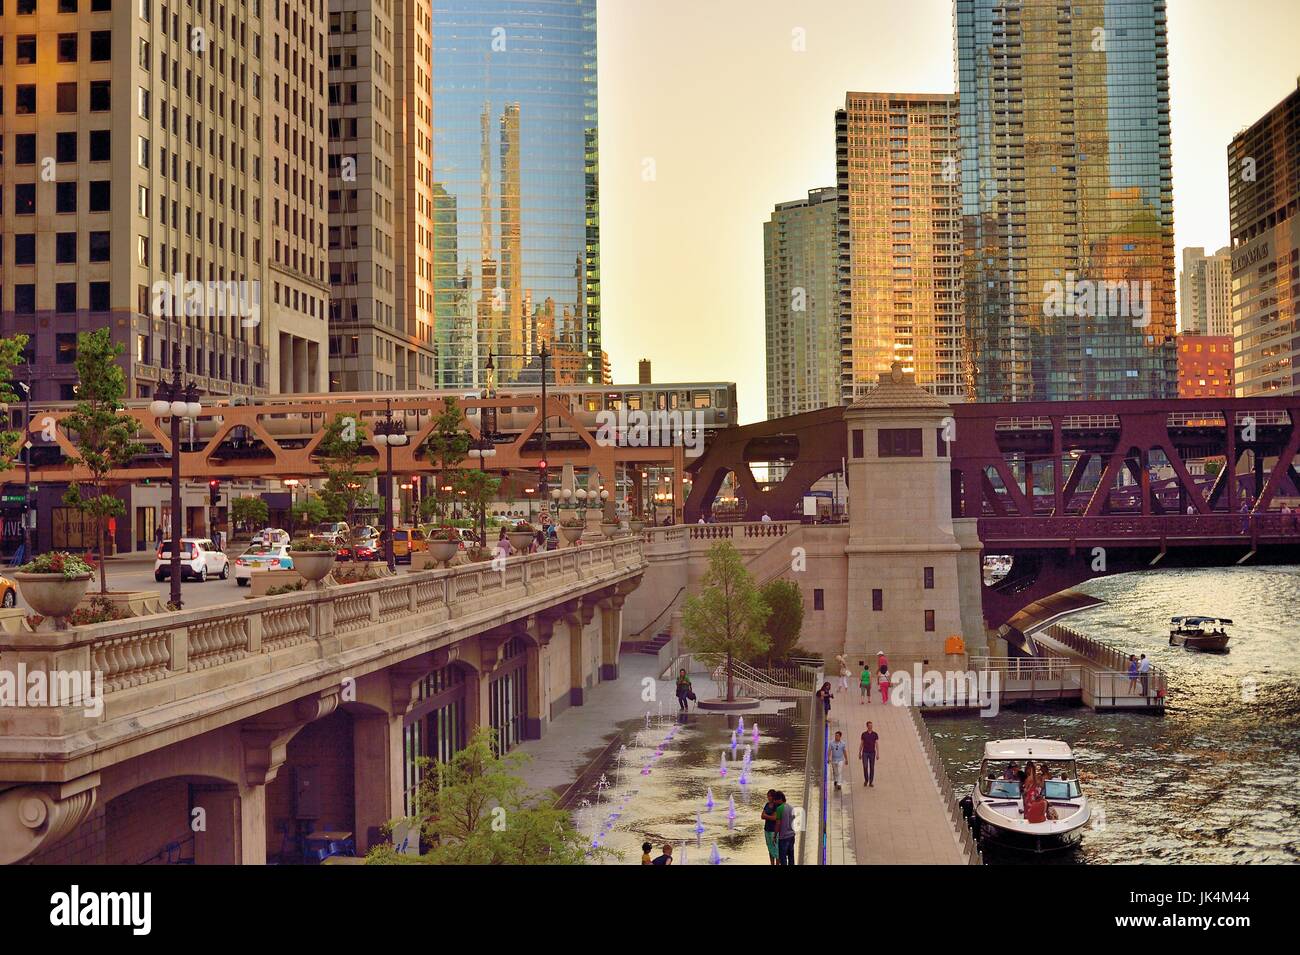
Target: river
{"points": [[1214, 780]]}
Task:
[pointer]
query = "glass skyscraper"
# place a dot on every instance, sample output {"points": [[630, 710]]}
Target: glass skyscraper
{"points": [[1067, 199], [516, 214]]}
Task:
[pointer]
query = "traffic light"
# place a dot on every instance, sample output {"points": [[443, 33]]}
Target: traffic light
{"points": [[541, 470], [214, 492]]}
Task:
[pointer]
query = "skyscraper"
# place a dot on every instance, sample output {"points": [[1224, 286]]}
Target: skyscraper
{"points": [[161, 178], [1264, 211], [801, 304], [1067, 199], [1205, 294], [515, 160], [900, 240]]}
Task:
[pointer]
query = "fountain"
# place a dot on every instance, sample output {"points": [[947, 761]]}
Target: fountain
{"points": [[744, 776], [699, 826], [755, 734], [740, 725], [723, 767], [715, 857], [731, 811], [708, 802]]}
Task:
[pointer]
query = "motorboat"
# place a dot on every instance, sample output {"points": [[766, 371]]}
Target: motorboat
{"points": [[996, 806], [1199, 633]]}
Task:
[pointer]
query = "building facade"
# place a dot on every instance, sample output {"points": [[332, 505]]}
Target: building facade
{"points": [[515, 153], [899, 241], [1204, 366], [1067, 199], [1205, 294], [801, 304], [1263, 201]]}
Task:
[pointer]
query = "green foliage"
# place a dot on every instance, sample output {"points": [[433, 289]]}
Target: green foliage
{"points": [[475, 810], [11, 354], [310, 545], [785, 623], [346, 484], [309, 512], [97, 610], [725, 620], [57, 562], [446, 447], [103, 433], [249, 511]]}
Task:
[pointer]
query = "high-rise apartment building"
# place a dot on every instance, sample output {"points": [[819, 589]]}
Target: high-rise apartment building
{"points": [[801, 304], [1204, 366], [1263, 202], [900, 240], [1067, 199], [384, 207], [1205, 293], [517, 235], [162, 170]]}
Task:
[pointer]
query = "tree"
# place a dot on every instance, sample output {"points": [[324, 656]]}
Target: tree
{"points": [[246, 511], [308, 512], [345, 490], [785, 601], [446, 446], [11, 354], [724, 621], [103, 433], [474, 810]]}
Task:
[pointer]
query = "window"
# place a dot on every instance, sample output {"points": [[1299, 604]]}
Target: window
{"points": [[99, 247], [857, 442], [99, 296], [899, 442], [25, 98], [929, 621], [25, 149], [67, 48], [101, 45], [65, 347], [25, 249], [65, 247], [100, 192], [25, 49], [65, 297], [65, 148], [65, 97], [25, 299], [67, 6], [25, 199], [142, 156], [940, 445], [819, 599], [877, 600], [101, 145], [101, 6], [65, 197], [101, 96]]}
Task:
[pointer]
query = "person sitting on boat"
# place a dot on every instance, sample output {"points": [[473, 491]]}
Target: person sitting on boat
{"points": [[1012, 772]]}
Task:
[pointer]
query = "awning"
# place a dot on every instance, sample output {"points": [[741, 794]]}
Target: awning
{"points": [[1018, 631]]}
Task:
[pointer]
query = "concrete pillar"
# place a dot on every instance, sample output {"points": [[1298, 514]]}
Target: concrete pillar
{"points": [[285, 355], [234, 818], [300, 382], [376, 774], [537, 714], [611, 635]]}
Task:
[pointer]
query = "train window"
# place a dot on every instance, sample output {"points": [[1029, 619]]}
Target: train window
{"points": [[591, 402], [634, 401], [661, 401], [672, 400], [722, 398], [613, 402], [701, 399]]}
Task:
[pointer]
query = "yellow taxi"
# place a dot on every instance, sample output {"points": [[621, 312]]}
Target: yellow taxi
{"points": [[9, 592], [408, 541]]}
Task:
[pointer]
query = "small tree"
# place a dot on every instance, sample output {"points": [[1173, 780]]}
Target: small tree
{"points": [[345, 490], [308, 512], [11, 354], [475, 810], [246, 511], [784, 624], [447, 446], [724, 621], [104, 433]]}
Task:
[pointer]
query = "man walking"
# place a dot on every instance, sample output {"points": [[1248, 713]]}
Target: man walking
{"points": [[864, 682], [868, 752], [1144, 674], [785, 833], [838, 756]]}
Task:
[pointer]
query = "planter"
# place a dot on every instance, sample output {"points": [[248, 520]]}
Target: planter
{"points": [[264, 580], [312, 565], [521, 540], [134, 603], [610, 528], [443, 551], [52, 595], [571, 534], [636, 526]]}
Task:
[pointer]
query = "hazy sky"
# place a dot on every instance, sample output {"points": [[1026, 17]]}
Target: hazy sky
{"points": [[709, 117]]}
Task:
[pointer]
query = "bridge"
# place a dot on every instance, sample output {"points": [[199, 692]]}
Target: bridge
{"points": [[275, 715]]}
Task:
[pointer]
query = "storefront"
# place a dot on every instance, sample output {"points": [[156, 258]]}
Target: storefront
{"points": [[435, 728], [508, 695]]}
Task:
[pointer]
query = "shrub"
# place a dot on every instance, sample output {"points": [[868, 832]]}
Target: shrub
{"points": [[523, 527], [97, 610], [58, 562], [283, 589], [311, 545]]}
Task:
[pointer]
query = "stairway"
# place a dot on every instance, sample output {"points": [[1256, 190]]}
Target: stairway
{"points": [[653, 646]]}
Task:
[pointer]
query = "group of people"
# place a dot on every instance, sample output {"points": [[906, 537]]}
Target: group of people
{"points": [[882, 677], [1139, 672], [1032, 778], [778, 828], [544, 539]]}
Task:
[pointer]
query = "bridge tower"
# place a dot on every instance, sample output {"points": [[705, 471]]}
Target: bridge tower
{"points": [[913, 570]]}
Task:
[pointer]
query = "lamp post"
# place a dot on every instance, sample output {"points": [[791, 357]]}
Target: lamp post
{"points": [[292, 485], [389, 433], [484, 446], [177, 401], [27, 463]]}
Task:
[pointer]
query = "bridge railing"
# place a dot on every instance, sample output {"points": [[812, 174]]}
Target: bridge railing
{"points": [[1269, 525], [711, 532], [946, 791]]}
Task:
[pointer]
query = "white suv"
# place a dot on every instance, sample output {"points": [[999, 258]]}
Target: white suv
{"points": [[200, 560]]}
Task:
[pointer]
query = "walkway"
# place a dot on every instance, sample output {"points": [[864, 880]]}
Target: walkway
{"points": [[901, 820]]}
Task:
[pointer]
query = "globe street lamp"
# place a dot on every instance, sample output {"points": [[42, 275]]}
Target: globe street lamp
{"points": [[389, 433], [176, 401]]}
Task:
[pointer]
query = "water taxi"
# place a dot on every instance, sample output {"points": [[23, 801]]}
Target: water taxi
{"points": [[996, 806], [1199, 633]]}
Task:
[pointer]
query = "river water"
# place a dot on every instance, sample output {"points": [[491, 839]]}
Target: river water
{"points": [[1214, 780]]}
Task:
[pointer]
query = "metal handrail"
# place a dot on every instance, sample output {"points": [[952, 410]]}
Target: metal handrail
{"points": [[946, 792]]}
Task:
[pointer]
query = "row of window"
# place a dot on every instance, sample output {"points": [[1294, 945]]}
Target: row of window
{"points": [[65, 147], [899, 443], [65, 98], [65, 247], [65, 297], [27, 8], [66, 48], [65, 197]]}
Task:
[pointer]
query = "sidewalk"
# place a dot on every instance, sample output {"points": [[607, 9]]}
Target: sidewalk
{"points": [[901, 820]]}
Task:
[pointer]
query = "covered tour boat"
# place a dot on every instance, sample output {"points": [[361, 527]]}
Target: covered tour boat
{"points": [[1199, 633]]}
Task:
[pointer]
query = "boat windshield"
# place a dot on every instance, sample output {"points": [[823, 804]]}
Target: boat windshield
{"points": [[1001, 779]]}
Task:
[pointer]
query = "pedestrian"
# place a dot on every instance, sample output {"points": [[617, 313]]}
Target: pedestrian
{"points": [[864, 681], [1132, 674], [766, 518], [837, 748], [1245, 516], [785, 833], [1191, 509], [769, 827], [157, 537], [844, 673], [884, 680], [869, 752], [1144, 674], [503, 544], [684, 691], [645, 854], [825, 695], [666, 858]]}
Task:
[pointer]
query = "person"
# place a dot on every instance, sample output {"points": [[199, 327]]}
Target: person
{"points": [[869, 752], [1144, 674], [700, 521], [1012, 772], [769, 826], [539, 543], [645, 854], [864, 681], [1191, 509], [503, 544], [883, 679], [837, 749], [844, 674], [1132, 673], [766, 518], [667, 857], [785, 832], [552, 538], [825, 695], [157, 537], [683, 690], [1245, 516]]}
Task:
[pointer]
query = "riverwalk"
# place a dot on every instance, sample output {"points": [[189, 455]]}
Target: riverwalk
{"points": [[902, 819]]}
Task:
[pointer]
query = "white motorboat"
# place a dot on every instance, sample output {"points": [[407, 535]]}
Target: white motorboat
{"points": [[997, 807]]}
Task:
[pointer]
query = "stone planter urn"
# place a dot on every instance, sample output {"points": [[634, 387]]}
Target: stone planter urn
{"points": [[571, 534], [636, 525], [312, 565], [610, 528], [52, 595], [442, 551], [521, 540]]}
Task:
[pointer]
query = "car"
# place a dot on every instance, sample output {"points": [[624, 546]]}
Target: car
{"points": [[271, 535], [332, 531], [408, 541], [200, 559], [8, 593], [367, 549], [261, 557]]}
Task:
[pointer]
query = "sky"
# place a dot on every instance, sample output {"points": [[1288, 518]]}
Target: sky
{"points": [[709, 116]]}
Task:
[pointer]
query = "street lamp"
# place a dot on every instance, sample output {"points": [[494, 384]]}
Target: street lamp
{"points": [[389, 433], [177, 401], [27, 463]]}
